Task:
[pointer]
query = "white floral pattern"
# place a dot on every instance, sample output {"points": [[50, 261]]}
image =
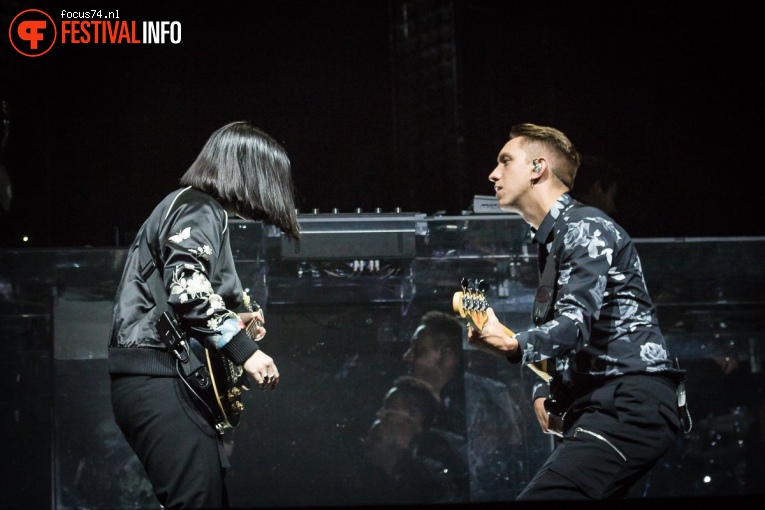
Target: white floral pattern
{"points": [[203, 252], [565, 274], [599, 289], [196, 286], [557, 208], [654, 355]]}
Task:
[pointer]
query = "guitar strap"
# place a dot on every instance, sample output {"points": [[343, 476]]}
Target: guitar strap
{"points": [[167, 325], [543, 299]]}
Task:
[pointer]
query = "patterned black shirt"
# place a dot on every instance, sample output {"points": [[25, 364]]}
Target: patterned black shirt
{"points": [[604, 323]]}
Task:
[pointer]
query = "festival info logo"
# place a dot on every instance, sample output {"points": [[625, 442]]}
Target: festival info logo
{"points": [[32, 33]]}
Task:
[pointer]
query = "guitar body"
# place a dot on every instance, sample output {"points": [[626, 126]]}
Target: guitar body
{"points": [[228, 381], [222, 397], [218, 386], [215, 381], [560, 398]]}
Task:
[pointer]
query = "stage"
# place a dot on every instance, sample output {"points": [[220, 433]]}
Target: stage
{"points": [[339, 323]]}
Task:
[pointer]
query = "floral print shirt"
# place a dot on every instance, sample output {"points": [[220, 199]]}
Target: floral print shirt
{"points": [[603, 323]]}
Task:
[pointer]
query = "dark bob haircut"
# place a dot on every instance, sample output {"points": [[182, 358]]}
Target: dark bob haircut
{"points": [[244, 168]]}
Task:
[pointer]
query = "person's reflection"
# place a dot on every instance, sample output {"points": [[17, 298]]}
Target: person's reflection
{"points": [[477, 422], [396, 471], [435, 356]]}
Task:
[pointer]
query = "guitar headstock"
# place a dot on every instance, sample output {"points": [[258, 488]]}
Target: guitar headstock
{"points": [[471, 302], [249, 304]]}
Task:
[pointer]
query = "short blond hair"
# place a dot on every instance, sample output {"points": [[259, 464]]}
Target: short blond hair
{"points": [[554, 146]]}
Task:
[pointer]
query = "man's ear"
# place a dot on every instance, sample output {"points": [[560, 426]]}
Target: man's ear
{"points": [[538, 164]]}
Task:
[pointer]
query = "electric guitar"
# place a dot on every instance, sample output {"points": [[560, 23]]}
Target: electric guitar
{"points": [[221, 394], [471, 304], [229, 379]]}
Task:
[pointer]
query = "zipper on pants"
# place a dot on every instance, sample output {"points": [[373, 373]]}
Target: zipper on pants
{"points": [[598, 436]]}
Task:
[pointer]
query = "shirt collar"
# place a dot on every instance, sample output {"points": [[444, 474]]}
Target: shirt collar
{"points": [[544, 232]]}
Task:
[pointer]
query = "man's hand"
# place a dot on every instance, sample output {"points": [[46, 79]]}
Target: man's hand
{"points": [[492, 338], [550, 423]]}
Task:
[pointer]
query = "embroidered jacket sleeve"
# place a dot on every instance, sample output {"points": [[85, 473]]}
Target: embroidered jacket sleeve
{"points": [[203, 287], [604, 322]]}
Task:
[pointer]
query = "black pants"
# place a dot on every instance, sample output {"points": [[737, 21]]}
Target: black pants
{"points": [[613, 437], [180, 450]]}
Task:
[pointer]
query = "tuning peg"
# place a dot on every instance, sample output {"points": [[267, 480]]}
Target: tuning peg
{"points": [[483, 286], [464, 282]]}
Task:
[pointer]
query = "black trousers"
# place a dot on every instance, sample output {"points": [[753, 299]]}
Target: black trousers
{"points": [[180, 450], [613, 436]]}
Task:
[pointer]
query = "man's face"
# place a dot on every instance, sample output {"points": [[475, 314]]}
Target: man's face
{"points": [[512, 174], [399, 401], [423, 357], [389, 438]]}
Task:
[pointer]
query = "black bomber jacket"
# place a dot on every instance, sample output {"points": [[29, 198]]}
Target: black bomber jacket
{"points": [[188, 235]]}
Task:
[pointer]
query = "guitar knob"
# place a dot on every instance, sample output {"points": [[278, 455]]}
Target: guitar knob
{"points": [[237, 406], [235, 392]]}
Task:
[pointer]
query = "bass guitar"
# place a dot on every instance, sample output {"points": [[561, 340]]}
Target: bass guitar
{"points": [[470, 303]]}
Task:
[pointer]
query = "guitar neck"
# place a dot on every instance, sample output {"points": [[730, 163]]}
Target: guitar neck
{"points": [[538, 367], [251, 328]]}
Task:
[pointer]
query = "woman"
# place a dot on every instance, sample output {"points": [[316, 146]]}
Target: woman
{"points": [[240, 170]]}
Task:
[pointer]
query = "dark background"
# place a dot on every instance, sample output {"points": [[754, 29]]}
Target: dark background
{"points": [[99, 133]]}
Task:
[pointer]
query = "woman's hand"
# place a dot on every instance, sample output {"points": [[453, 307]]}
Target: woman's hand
{"points": [[254, 324], [262, 369]]}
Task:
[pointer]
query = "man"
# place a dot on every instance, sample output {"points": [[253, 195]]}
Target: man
{"points": [[435, 356], [476, 420], [614, 384], [395, 472], [182, 261]]}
